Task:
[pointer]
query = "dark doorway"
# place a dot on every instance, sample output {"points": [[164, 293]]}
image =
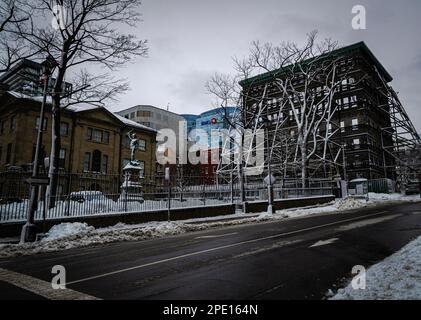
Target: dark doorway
{"points": [[96, 161]]}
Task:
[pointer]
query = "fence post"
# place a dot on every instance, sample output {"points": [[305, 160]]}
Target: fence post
{"points": [[126, 180]]}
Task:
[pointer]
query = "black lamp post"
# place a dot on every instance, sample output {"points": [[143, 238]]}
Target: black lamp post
{"points": [[29, 229]]}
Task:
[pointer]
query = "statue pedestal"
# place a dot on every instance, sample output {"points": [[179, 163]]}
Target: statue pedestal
{"points": [[131, 188]]}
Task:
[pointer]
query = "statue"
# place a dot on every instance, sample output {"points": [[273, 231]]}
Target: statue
{"points": [[134, 145], [131, 188]]}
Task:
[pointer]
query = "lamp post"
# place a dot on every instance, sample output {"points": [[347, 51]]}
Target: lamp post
{"points": [[269, 180], [29, 229]]}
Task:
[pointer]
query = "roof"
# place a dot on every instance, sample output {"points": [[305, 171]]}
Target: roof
{"points": [[359, 46], [84, 107], [19, 65], [143, 107]]}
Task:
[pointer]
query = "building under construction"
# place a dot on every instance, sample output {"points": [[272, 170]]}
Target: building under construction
{"points": [[365, 134]]}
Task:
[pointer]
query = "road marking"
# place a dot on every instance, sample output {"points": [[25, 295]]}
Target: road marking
{"points": [[217, 236], [367, 222], [276, 245], [41, 287], [220, 248], [324, 242]]}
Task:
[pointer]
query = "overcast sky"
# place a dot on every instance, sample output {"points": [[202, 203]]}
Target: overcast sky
{"points": [[190, 40]]}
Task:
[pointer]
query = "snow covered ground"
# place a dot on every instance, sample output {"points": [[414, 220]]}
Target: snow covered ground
{"points": [[71, 235], [398, 277]]}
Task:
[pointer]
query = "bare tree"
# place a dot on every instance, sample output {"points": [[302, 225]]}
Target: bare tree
{"points": [[296, 101], [12, 46], [82, 33], [306, 78]]}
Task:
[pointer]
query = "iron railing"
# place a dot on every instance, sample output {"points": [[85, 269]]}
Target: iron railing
{"points": [[93, 193]]}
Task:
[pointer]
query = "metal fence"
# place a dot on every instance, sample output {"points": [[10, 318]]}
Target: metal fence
{"points": [[90, 193]]}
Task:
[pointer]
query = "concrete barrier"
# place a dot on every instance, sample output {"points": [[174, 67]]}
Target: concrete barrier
{"points": [[261, 206]]}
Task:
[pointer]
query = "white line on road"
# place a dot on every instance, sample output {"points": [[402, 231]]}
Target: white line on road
{"points": [[221, 247], [41, 287], [324, 242], [367, 222], [217, 236]]}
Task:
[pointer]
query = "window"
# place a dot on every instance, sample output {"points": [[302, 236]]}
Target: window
{"points": [[62, 159], [97, 135], [329, 128], [13, 123], [87, 161], [342, 126], [2, 123], [142, 168], [106, 137], [354, 124], [64, 129], [356, 142], [1, 152], [89, 134], [9, 153], [142, 145], [353, 101], [44, 124], [104, 164]]}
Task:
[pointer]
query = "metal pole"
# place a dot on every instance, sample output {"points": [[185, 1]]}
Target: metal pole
{"points": [[344, 161], [232, 187], [169, 201], [270, 190], [29, 230]]}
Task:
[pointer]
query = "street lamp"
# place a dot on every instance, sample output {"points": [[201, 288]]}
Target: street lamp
{"points": [[270, 179], [29, 229]]}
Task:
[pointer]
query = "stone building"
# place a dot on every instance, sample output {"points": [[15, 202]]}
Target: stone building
{"points": [[93, 139]]}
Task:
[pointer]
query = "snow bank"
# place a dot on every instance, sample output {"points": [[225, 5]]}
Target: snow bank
{"points": [[67, 229], [379, 197], [398, 277]]}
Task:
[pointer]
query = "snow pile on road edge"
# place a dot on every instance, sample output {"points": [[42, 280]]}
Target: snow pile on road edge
{"points": [[67, 229], [398, 277]]}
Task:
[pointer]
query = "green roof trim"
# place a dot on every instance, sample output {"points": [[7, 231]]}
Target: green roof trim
{"points": [[359, 46]]}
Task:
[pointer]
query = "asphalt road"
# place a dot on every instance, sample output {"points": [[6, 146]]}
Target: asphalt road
{"points": [[273, 260]]}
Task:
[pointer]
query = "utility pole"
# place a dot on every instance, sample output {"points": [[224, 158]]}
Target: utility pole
{"points": [[29, 230]]}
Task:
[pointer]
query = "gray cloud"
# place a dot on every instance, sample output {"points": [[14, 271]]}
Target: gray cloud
{"points": [[191, 39]]}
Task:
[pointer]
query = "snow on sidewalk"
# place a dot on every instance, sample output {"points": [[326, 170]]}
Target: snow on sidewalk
{"points": [[73, 235], [398, 277]]}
